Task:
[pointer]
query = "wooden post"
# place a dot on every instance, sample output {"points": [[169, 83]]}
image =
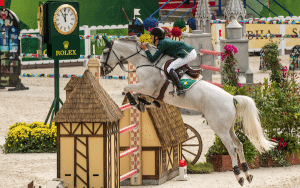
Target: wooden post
{"points": [[94, 66]]}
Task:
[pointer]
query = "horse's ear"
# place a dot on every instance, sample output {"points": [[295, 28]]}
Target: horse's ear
{"points": [[135, 37], [106, 40]]}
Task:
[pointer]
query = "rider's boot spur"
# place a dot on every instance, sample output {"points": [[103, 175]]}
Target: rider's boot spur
{"points": [[180, 91]]}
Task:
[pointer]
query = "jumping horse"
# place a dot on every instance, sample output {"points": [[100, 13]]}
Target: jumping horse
{"points": [[219, 107]]}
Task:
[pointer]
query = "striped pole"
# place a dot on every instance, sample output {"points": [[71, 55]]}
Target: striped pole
{"points": [[203, 51], [135, 136], [207, 67]]}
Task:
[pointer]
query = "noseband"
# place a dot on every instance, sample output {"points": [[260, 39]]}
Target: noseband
{"points": [[120, 61]]}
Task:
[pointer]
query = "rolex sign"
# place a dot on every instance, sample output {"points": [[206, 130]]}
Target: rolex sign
{"points": [[63, 31]]}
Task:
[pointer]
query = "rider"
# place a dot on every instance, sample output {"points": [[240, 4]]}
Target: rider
{"points": [[183, 52]]}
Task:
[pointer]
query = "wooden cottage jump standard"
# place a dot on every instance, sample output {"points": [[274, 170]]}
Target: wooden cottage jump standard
{"points": [[88, 153], [163, 132]]}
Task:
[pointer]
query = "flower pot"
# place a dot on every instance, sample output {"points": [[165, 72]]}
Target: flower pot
{"points": [[268, 162], [293, 159], [223, 163]]}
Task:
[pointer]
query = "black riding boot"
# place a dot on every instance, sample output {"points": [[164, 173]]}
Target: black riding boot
{"points": [[176, 81]]}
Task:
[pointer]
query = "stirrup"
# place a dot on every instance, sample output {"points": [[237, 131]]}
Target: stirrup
{"points": [[181, 93], [172, 92]]}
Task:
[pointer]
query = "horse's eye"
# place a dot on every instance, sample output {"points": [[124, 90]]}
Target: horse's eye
{"points": [[105, 51]]}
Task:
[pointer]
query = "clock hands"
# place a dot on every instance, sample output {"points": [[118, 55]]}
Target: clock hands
{"points": [[64, 15]]}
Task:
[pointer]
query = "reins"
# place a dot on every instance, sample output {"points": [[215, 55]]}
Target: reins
{"points": [[120, 61]]}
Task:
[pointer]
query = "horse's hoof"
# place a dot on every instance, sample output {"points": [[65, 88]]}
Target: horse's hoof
{"points": [[140, 107], [144, 101], [250, 178], [241, 181], [157, 104]]}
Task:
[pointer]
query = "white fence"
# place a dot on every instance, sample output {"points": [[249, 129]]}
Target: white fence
{"points": [[87, 31], [87, 42]]}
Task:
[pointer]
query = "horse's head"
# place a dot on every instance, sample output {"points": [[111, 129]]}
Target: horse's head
{"points": [[109, 58], [118, 53]]}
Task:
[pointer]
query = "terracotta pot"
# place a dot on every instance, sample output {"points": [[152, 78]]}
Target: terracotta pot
{"points": [[294, 159], [223, 163], [269, 162]]}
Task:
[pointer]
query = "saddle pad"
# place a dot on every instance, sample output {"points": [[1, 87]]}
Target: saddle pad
{"points": [[186, 83]]}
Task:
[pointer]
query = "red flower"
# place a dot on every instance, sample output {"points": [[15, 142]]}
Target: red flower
{"points": [[176, 32], [281, 143]]}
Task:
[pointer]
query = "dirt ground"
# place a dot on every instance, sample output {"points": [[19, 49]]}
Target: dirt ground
{"points": [[17, 170]]}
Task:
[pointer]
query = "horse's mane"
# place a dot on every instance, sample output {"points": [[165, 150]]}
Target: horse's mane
{"points": [[134, 38]]}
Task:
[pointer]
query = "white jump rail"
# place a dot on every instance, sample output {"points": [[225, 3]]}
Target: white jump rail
{"points": [[128, 128], [130, 150], [128, 174]]}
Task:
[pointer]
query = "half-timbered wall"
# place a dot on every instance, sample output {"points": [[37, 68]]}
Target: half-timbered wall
{"points": [[169, 158], [88, 154]]}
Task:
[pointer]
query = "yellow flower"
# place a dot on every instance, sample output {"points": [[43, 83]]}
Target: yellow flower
{"points": [[21, 145], [145, 38]]}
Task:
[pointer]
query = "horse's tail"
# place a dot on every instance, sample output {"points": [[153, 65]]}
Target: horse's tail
{"points": [[252, 127]]}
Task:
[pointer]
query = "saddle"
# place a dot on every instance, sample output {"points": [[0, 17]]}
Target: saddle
{"points": [[193, 73]]}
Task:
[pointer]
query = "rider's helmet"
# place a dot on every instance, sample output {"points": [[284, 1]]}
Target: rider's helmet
{"points": [[158, 32]]}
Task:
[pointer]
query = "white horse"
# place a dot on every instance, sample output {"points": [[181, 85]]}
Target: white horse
{"points": [[213, 102]]}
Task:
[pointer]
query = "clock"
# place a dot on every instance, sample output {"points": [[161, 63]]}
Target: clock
{"points": [[40, 18], [65, 19]]}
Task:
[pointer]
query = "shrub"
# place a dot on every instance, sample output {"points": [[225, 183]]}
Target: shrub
{"points": [[271, 61], [30, 138], [179, 23], [279, 107], [228, 68]]}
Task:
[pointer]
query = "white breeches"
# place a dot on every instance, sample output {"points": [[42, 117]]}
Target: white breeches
{"points": [[179, 62]]}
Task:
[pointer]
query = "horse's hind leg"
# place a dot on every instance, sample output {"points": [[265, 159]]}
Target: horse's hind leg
{"points": [[240, 152], [232, 150]]}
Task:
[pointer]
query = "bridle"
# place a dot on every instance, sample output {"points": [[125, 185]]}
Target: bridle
{"points": [[120, 61]]}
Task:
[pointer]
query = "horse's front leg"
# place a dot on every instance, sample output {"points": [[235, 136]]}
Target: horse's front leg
{"points": [[139, 88]]}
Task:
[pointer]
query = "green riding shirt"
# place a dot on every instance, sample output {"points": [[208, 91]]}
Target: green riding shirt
{"points": [[172, 48]]}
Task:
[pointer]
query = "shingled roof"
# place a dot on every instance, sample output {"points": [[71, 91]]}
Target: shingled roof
{"points": [[89, 103], [72, 83], [168, 124]]}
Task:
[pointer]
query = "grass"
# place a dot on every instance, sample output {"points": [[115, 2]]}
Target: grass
{"points": [[200, 168]]}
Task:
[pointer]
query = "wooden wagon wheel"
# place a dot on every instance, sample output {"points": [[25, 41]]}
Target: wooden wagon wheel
{"points": [[190, 148]]}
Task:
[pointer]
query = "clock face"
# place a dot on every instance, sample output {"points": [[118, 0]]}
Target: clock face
{"points": [[65, 19], [40, 18]]}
